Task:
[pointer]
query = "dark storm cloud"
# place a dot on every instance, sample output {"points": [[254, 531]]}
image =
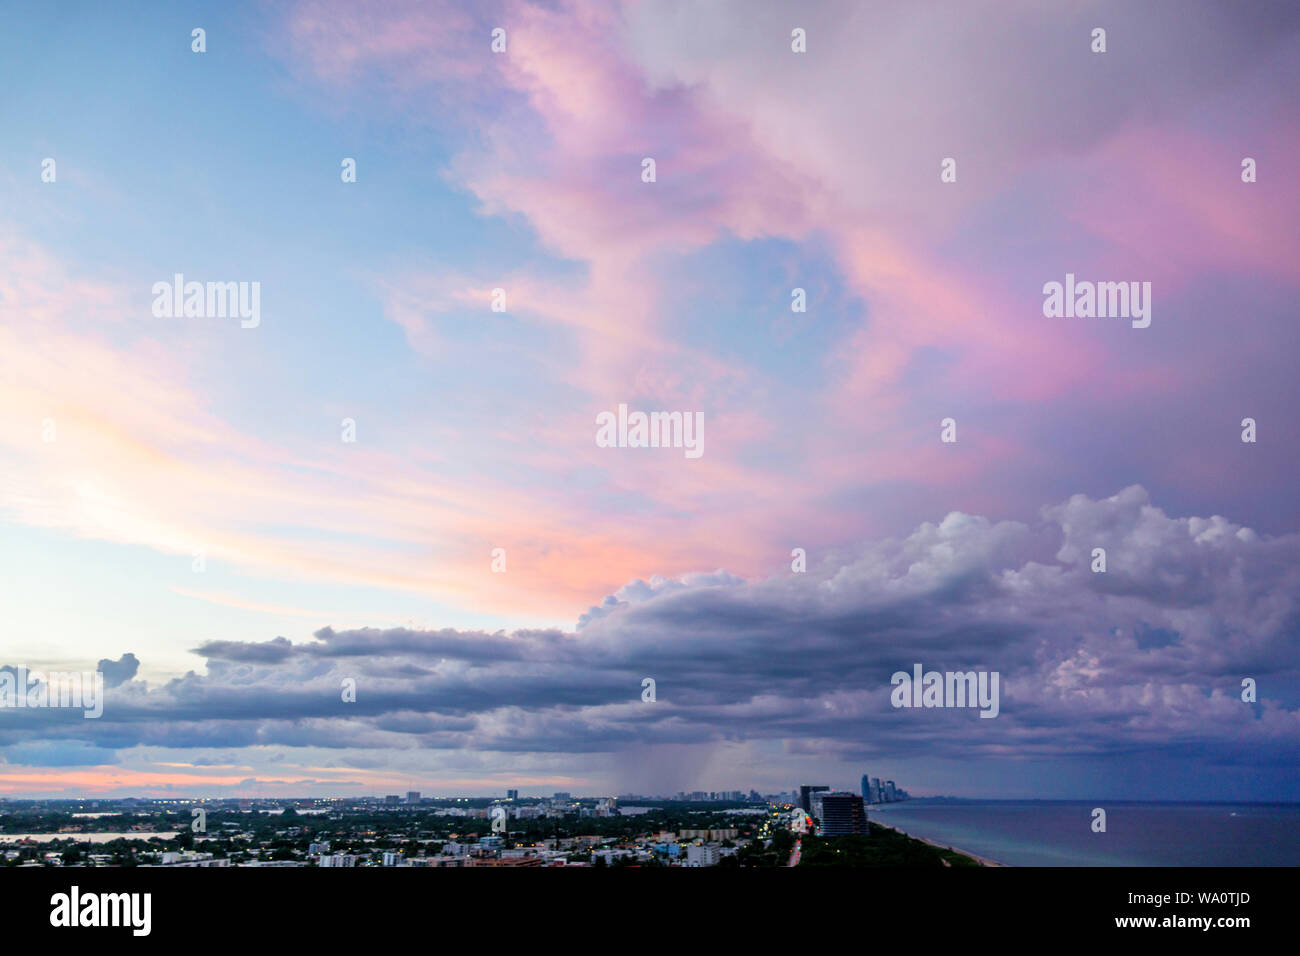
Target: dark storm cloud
{"points": [[1146, 656]]}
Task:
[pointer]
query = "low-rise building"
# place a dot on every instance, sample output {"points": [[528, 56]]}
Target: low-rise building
{"points": [[507, 861], [716, 836], [702, 854]]}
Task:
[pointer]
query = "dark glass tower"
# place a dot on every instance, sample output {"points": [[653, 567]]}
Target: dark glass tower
{"points": [[805, 796], [843, 815]]}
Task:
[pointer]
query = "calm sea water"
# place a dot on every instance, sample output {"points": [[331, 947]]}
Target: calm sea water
{"points": [[1058, 833]]}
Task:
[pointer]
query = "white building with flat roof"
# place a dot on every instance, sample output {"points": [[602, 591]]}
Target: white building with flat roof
{"points": [[702, 854]]}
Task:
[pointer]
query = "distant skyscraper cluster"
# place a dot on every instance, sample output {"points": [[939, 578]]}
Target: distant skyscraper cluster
{"points": [[710, 796], [875, 790]]}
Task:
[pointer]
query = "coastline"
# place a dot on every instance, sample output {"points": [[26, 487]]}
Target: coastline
{"points": [[981, 860]]}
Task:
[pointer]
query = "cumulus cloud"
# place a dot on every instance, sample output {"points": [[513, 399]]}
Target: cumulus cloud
{"points": [[1147, 657], [119, 671]]}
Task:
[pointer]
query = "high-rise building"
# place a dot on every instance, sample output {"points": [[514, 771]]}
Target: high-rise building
{"points": [[866, 788], [413, 796], [842, 814], [876, 790], [512, 794], [805, 796], [891, 792], [816, 800]]}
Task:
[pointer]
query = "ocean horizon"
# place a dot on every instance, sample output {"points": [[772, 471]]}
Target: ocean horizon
{"points": [[1138, 833]]}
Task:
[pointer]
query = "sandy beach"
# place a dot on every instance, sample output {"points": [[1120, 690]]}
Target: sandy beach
{"points": [[981, 860]]}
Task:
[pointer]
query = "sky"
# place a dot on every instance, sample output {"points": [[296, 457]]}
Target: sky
{"points": [[232, 523]]}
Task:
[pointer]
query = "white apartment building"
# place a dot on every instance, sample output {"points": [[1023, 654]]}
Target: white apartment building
{"points": [[702, 854]]}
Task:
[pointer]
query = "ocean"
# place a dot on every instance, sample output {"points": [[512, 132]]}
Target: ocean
{"points": [[1059, 833]]}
